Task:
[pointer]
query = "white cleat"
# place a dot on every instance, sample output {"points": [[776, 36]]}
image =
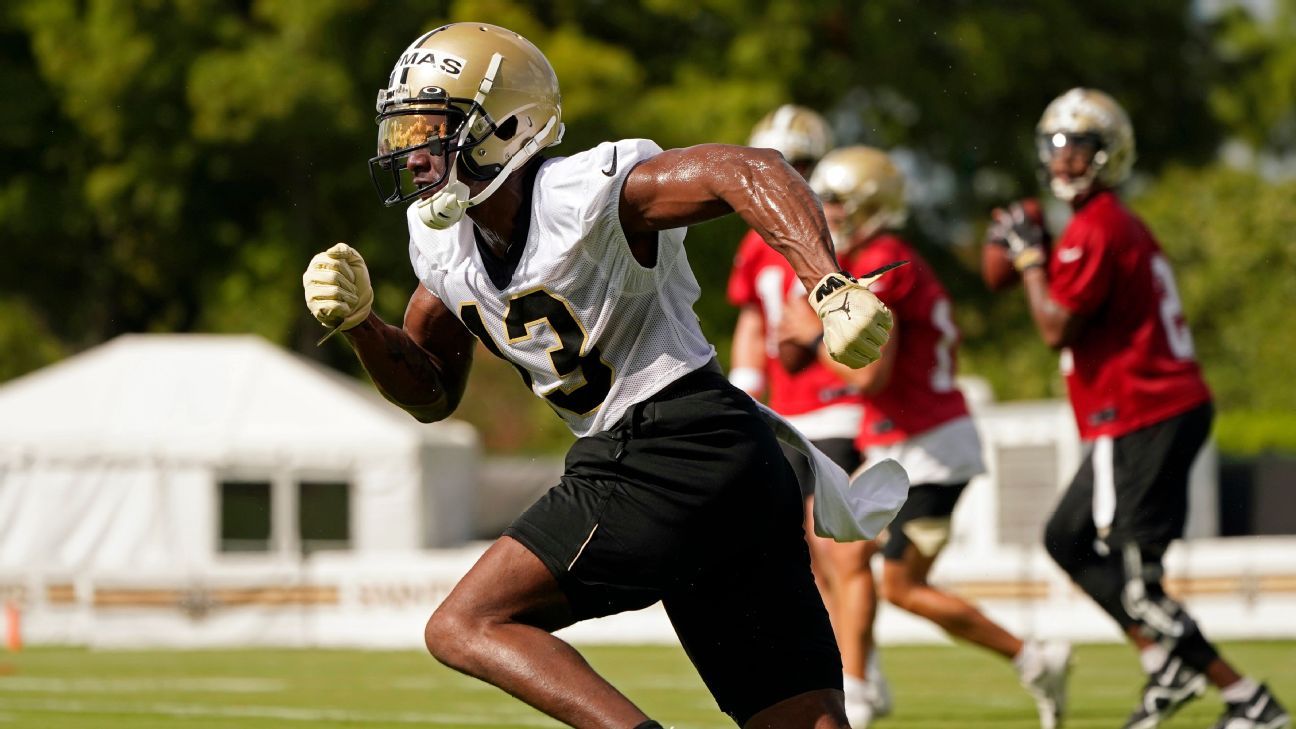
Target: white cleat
{"points": [[879, 687], [859, 714], [860, 710], [1043, 670]]}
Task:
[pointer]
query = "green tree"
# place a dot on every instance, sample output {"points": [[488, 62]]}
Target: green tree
{"points": [[170, 165], [1256, 98], [1229, 235]]}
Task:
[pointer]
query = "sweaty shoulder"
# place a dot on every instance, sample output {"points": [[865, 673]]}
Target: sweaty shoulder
{"points": [[582, 192]]}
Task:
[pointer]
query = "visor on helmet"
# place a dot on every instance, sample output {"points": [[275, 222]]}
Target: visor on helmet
{"points": [[1070, 149], [1053, 144], [437, 129], [402, 134]]}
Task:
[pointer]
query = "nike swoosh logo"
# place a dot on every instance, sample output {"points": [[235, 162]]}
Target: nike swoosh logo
{"points": [[611, 170]]}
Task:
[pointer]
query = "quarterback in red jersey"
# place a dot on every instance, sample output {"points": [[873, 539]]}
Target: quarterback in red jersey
{"points": [[1105, 295], [818, 403], [913, 411]]}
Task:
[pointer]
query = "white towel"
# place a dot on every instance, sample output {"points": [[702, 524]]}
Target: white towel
{"points": [[846, 509]]}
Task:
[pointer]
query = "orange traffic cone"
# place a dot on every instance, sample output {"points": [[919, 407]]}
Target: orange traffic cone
{"points": [[13, 622]]}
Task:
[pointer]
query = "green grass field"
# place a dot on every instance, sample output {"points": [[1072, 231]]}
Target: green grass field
{"points": [[936, 686]]}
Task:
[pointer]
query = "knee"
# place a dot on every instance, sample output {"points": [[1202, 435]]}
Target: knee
{"points": [[898, 591], [1143, 596], [1064, 544], [846, 561], [447, 636]]}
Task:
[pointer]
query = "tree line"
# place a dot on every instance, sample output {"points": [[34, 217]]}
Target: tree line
{"points": [[171, 165]]}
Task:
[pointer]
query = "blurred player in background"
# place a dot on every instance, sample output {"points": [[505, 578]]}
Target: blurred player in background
{"points": [[913, 409], [573, 270], [820, 404], [1105, 295]]}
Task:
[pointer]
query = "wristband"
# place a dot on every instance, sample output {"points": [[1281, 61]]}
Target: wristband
{"points": [[1032, 257], [748, 379]]}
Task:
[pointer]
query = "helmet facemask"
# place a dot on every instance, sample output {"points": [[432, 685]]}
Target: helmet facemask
{"points": [[434, 129], [861, 222], [1085, 145]]}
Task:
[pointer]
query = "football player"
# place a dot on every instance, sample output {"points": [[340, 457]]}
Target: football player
{"points": [[913, 410], [573, 270], [820, 404], [1105, 296]]}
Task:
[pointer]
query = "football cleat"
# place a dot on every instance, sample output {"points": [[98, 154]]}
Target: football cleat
{"points": [[866, 700], [1165, 692], [1044, 676], [878, 685], [859, 713], [1261, 711]]}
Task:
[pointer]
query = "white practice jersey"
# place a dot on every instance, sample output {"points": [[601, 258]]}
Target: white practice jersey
{"points": [[591, 330]]}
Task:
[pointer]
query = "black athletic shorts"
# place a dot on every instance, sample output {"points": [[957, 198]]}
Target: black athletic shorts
{"points": [[1148, 472], [840, 450], [925, 501], [689, 500]]}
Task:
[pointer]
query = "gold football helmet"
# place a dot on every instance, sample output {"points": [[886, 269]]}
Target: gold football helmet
{"points": [[1091, 120], [868, 185], [799, 134], [480, 98]]}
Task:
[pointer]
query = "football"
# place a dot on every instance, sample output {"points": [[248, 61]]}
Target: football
{"points": [[997, 270], [996, 267]]}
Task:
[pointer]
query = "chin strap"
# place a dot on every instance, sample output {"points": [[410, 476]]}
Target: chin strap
{"points": [[448, 205], [1068, 190]]}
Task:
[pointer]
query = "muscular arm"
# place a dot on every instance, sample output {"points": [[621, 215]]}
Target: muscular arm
{"points": [[1058, 327], [423, 366], [680, 187]]}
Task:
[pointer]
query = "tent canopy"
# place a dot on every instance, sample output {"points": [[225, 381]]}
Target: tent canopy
{"points": [[114, 459], [194, 396]]}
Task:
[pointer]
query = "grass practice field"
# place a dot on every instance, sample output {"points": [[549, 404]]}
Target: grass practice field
{"points": [[935, 686]]}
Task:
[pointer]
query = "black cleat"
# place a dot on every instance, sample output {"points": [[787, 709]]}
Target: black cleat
{"points": [[1261, 711], [1172, 686]]}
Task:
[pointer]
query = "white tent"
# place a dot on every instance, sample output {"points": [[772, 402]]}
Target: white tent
{"points": [[138, 455]]}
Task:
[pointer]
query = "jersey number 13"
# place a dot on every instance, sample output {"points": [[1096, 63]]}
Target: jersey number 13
{"points": [[585, 379]]}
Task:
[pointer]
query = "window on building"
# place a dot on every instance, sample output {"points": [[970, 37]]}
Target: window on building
{"points": [[245, 516], [323, 515]]}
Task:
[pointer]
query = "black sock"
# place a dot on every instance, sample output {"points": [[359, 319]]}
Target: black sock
{"points": [[1195, 650]]}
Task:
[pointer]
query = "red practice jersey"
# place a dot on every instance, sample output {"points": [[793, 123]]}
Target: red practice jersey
{"points": [[762, 277], [921, 393], [1132, 365]]}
